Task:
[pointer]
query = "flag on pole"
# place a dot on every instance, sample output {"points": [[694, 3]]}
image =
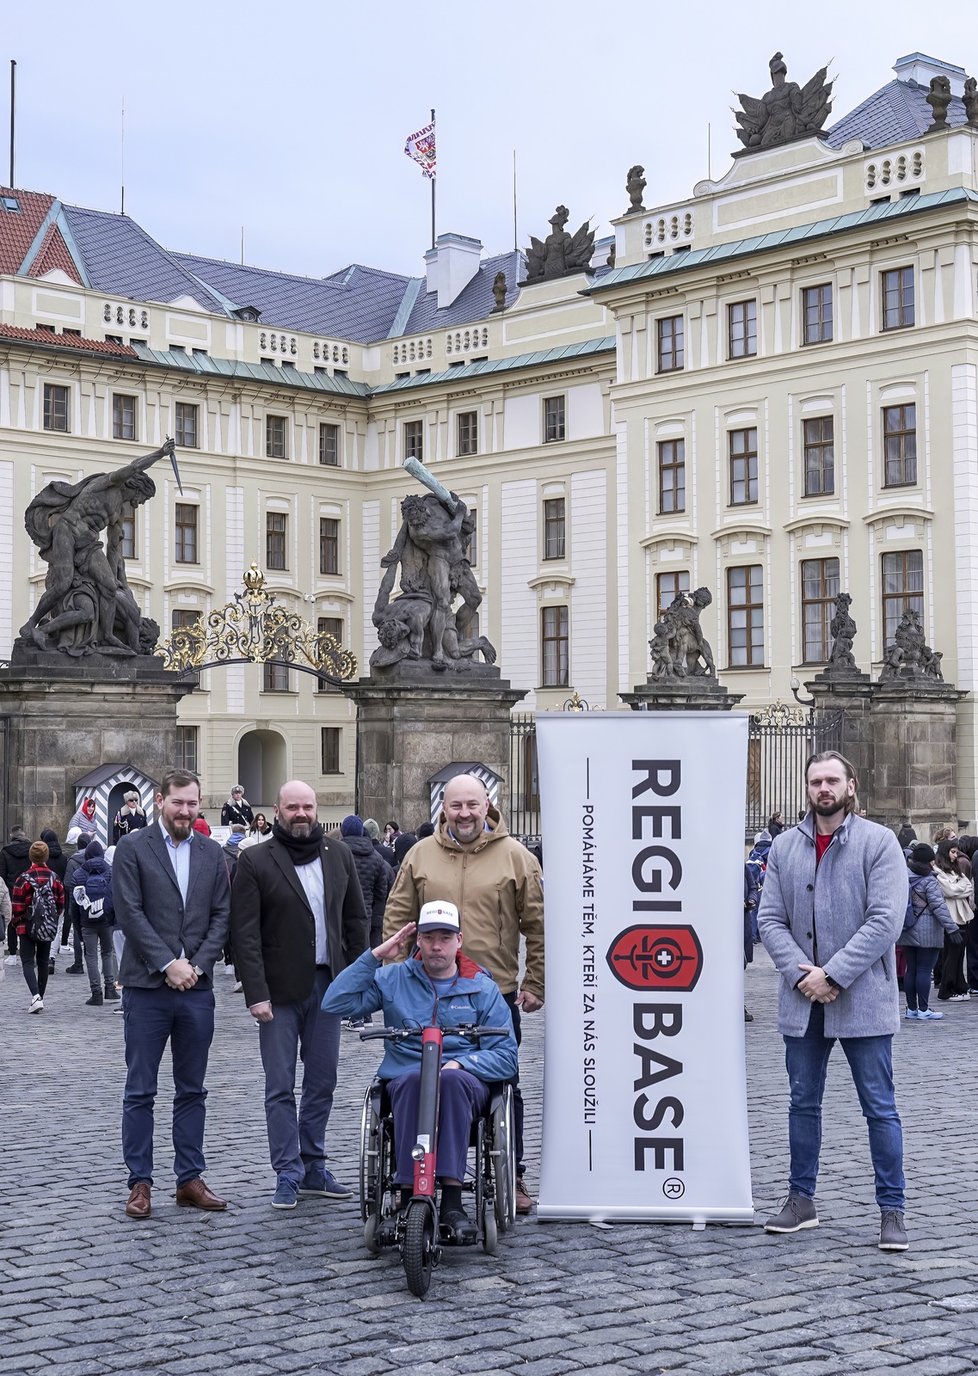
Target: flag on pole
{"points": [[420, 147]]}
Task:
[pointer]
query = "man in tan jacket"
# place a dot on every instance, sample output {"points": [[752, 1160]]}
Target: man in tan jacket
{"points": [[496, 884]]}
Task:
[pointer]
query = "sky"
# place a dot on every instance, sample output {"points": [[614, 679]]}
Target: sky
{"points": [[289, 121]]}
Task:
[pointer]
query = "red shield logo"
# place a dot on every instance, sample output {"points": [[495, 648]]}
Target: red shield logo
{"points": [[656, 958]]}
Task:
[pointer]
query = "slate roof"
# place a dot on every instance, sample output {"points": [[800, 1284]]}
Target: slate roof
{"points": [[897, 113], [122, 260], [474, 302]]}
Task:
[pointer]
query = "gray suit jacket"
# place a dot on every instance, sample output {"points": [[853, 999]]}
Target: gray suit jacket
{"points": [[151, 913], [846, 916]]}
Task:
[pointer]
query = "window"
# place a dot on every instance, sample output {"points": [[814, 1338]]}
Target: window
{"points": [[414, 440], [742, 329], [818, 435], [554, 528], [181, 617], [472, 544], [555, 645], [672, 476], [668, 586], [123, 417], [329, 444], [185, 425], [276, 679], [554, 419], [819, 589], [899, 445], [468, 433], [276, 437], [129, 535], [745, 615], [55, 407], [816, 310], [187, 748], [903, 588], [331, 750], [743, 466], [276, 532], [669, 343], [898, 311], [185, 545], [329, 625], [329, 545]]}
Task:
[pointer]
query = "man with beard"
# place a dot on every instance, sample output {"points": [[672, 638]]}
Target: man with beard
{"points": [[170, 890], [832, 907], [297, 920]]}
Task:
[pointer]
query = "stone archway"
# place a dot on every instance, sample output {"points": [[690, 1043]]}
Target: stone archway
{"points": [[262, 766]]}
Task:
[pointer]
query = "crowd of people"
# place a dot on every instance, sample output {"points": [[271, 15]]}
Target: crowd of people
{"points": [[288, 906]]}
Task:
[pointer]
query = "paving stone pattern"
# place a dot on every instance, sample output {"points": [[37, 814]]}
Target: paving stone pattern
{"points": [[86, 1292]]}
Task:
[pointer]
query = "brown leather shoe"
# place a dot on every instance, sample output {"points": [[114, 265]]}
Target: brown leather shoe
{"points": [[196, 1195], [524, 1203], [138, 1204]]}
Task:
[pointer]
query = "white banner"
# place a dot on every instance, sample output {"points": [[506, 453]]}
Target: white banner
{"points": [[644, 1104]]}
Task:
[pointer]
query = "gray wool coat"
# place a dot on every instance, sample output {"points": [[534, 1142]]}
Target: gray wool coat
{"points": [[845, 917]]}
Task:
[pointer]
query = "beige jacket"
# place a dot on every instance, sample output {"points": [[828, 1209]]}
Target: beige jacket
{"points": [[497, 887], [958, 893]]}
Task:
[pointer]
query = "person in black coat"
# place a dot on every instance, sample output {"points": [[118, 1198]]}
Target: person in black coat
{"points": [[14, 860], [297, 919], [375, 875], [237, 809]]}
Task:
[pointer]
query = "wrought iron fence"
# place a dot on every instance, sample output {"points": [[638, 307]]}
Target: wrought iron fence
{"points": [[524, 779]]}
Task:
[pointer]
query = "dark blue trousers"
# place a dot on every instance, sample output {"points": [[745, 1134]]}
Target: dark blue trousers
{"points": [[463, 1098], [151, 1018]]}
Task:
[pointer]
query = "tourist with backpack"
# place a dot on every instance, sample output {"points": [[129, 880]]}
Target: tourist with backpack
{"points": [[37, 900], [93, 895], [926, 920]]}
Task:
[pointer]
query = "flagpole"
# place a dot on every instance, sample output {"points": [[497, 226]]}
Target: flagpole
{"points": [[433, 188], [516, 241]]}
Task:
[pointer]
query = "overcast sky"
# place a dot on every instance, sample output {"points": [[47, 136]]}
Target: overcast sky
{"points": [[290, 119]]}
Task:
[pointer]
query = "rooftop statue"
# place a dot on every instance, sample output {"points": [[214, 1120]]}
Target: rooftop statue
{"points": [[431, 553], [560, 253], [635, 184], [679, 648], [787, 112], [87, 606], [938, 98], [499, 291], [970, 99]]}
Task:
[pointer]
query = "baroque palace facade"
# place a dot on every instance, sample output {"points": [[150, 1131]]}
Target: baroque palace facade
{"points": [[771, 390]]}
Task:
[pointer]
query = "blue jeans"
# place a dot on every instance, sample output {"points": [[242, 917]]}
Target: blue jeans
{"points": [[297, 1142], [870, 1062], [151, 1018], [920, 966]]}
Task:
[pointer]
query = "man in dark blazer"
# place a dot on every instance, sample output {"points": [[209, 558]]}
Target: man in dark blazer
{"points": [[172, 900], [297, 919]]}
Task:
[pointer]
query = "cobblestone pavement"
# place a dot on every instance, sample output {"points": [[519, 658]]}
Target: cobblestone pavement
{"points": [[86, 1292]]}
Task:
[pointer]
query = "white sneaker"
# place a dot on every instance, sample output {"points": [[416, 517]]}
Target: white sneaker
{"points": [[37, 1004], [64, 950], [960, 998], [12, 960]]}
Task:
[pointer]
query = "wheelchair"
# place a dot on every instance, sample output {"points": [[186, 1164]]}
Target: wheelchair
{"points": [[490, 1184]]}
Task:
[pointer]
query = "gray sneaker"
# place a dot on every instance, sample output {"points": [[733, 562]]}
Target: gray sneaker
{"points": [[797, 1212], [893, 1235]]}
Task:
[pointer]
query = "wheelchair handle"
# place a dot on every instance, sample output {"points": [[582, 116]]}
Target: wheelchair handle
{"points": [[402, 1033]]}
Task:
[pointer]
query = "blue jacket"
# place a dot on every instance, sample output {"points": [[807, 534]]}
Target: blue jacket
{"points": [[846, 916], [934, 919], [408, 998]]}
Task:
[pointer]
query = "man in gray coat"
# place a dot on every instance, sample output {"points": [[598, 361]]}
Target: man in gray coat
{"points": [[172, 900], [832, 908]]}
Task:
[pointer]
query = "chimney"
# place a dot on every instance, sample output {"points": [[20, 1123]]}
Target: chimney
{"points": [[451, 265], [920, 68]]}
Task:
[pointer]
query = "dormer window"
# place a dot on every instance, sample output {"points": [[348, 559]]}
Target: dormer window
{"points": [[10, 203]]}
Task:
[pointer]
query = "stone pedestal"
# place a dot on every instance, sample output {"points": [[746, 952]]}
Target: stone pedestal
{"points": [[900, 737], [408, 730], [63, 720], [697, 693]]}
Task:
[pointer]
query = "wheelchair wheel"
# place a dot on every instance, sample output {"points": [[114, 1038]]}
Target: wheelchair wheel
{"points": [[489, 1232], [418, 1248], [370, 1151], [503, 1157]]}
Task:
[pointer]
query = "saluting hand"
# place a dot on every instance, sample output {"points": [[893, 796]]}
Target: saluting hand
{"points": [[395, 945]]}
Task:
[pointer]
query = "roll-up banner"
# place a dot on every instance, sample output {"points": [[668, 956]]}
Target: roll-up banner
{"points": [[645, 1103]]}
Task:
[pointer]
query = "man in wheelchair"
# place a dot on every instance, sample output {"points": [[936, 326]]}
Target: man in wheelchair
{"points": [[439, 986]]}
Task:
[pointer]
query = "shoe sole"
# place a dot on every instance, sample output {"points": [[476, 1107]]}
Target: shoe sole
{"points": [[809, 1223], [894, 1246], [325, 1194], [292, 1205]]}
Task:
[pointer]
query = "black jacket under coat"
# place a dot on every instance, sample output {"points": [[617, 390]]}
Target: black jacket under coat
{"points": [[273, 931], [375, 875]]}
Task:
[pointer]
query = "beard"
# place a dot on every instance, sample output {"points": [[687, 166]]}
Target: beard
{"points": [[180, 830], [300, 830], [829, 809]]}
